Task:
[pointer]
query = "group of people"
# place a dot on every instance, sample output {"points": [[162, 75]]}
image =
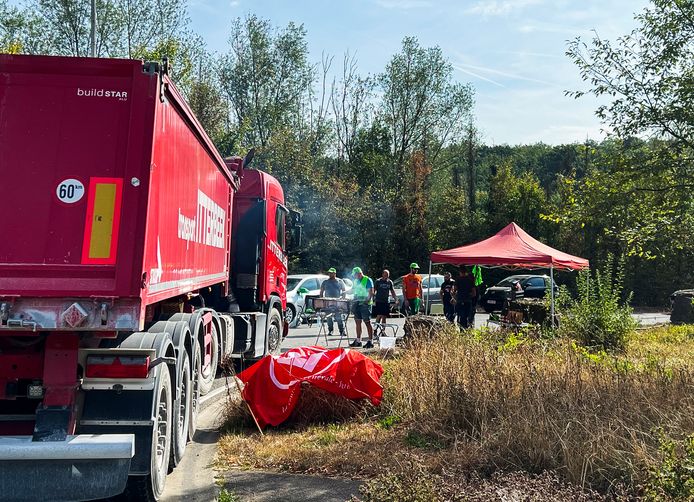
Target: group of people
{"points": [[367, 295], [459, 298]]}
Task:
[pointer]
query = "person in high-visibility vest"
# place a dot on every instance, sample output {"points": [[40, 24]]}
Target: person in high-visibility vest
{"points": [[363, 294]]}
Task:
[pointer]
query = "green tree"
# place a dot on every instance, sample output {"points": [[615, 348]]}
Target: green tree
{"points": [[649, 73], [515, 198], [421, 105], [266, 78]]}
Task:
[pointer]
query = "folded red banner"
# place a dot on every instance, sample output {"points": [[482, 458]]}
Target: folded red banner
{"points": [[273, 384]]}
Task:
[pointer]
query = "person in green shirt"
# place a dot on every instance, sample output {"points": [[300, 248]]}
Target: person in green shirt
{"points": [[361, 308], [477, 276]]}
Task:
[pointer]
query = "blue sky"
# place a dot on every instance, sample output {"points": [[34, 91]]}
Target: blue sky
{"points": [[511, 51]]}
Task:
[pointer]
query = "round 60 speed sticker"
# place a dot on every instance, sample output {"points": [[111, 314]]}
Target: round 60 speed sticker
{"points": [[70, 191]]}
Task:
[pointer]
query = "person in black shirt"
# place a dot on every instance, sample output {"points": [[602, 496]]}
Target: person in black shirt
{"points": [[447, 297], [384, 288], [464, 291]]}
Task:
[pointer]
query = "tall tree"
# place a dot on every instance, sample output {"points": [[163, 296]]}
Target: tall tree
{"points": [[351, 104], [649, 72], [265, 76], [422, 106]]}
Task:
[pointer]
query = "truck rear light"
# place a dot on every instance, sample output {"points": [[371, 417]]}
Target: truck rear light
{"points": [[107, 366]]}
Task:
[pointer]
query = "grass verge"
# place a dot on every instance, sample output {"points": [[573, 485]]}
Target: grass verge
{"points": [[458, 411]]}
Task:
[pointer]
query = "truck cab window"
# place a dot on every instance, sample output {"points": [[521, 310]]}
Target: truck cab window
{"points": [[280, 218]]}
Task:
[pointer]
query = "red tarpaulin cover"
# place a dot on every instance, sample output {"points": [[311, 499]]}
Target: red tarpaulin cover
{"points": [[273, 384], [512, 247]]}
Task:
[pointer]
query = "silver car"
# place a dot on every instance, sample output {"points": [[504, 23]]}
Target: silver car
{"points": [[434, 293], [309, 284]]}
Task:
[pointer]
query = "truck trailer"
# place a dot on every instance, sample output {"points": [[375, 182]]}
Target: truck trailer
{"points": [[133, 260]]}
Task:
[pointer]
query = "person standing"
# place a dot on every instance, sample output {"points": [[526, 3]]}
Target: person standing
{"points": [[464, 291], [477, 277], [412, 290], [384, 290], [363, 293], [333, 288], [447, 297]]}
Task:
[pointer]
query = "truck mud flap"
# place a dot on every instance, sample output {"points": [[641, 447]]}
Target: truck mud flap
{"points": [[83, 467]]}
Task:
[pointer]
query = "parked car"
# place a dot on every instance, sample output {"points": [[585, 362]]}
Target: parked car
{"points": [[434, 293], [311, 283], [532, 286]]}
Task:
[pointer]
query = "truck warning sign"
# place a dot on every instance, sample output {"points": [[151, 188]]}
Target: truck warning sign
{"points": [[70, 191]]}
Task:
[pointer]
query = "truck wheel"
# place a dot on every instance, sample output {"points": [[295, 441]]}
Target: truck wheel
{"points": [[209, 372], [181, 413], [150, 488], [274, 332], [195, 393], [290, 314]]}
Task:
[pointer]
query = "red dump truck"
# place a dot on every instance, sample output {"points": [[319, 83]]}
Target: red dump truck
{"points": [[133, 258]]}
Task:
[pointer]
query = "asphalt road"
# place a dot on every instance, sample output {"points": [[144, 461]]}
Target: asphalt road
{"points": [[305, 335]]}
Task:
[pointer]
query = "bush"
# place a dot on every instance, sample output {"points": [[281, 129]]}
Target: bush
{"points": [[673, 477], [599, 318]]}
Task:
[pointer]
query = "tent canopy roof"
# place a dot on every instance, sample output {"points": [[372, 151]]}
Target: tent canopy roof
{"points": [[510, 247]]}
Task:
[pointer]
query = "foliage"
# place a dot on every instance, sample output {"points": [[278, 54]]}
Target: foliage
{"points": [[650, 72], [673, 477], [227, 496], [600, 318], [265, 77], [639, 195]]}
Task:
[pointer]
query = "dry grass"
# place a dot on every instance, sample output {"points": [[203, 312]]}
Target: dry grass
{"points": [[455, 405]]}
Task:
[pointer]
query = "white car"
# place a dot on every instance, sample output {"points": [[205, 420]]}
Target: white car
{"points": [[311, 283]]}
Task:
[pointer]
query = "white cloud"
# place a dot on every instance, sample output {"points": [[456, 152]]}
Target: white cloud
{"points": [[512, 76], [500, 7], [477, 75], [403, 4]]}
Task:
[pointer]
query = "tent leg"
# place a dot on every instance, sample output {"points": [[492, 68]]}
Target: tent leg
{"points": [[551, 288], [426, 304]]}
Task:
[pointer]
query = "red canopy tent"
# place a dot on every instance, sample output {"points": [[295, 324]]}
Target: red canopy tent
{"points": [[514, 248], [511, 247]]}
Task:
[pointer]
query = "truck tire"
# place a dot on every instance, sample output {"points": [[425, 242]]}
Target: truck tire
{"points": [[207, 375], [274, 332], [181, 413], [150, 488], [195, 392], [290, 314]]}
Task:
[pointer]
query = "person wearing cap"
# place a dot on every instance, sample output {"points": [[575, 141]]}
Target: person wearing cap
{"points": [[333, 288], [363, 293], [412, 290]]}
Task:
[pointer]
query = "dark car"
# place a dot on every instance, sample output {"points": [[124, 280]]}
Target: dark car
{"points": [[531, 286]]}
